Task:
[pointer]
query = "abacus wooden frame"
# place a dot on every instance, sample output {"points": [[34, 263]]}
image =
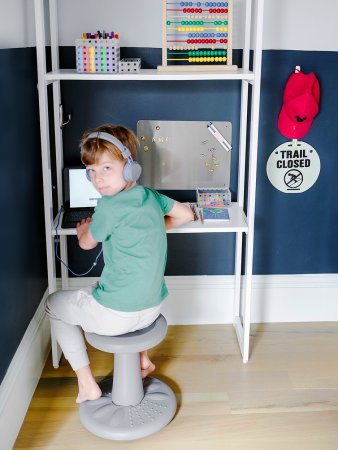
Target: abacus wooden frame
{"points": [[196, 67]]}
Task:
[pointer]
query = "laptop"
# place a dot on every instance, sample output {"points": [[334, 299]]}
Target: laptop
{"points": [[80, 196]]}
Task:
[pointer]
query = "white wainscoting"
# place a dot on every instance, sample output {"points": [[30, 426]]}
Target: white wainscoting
{"points": [[192, 300], [22, 376], [275, 298]]}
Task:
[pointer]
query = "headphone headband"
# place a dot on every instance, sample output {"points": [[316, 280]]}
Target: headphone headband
{"points": [[113, 140]]}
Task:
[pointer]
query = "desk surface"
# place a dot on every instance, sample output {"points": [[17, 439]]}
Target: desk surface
{"points": [[237, 223]]}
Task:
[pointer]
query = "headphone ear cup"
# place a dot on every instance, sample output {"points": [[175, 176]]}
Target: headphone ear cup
{"points": [[88, 176], [132, 171]]}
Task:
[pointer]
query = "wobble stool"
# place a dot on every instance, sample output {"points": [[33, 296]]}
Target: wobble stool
{"points": [[130, 408]]}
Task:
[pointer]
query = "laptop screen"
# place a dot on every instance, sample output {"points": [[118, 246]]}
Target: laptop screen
{"points": [[82, 193]]}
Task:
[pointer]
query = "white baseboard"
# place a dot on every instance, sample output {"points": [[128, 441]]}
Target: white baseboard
{"points": [[23, 374], [295, 298], [275, 298], [192, 300]]}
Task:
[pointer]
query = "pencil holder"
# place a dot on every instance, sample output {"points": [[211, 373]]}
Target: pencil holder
{"points": [[97, 55]]}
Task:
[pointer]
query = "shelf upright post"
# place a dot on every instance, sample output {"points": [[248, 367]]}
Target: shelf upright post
{"points": [[241, 171], [54, 33], [56, 349], [253, 150], [45, 143]]}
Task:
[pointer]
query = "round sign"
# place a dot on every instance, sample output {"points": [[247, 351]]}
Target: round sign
{"points": [[293, 167]]}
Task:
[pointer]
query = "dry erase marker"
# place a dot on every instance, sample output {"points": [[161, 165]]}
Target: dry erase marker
{"points": [[221, 139]]}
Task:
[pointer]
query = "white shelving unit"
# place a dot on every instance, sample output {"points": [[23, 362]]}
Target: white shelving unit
{"points": [[240, 223]]}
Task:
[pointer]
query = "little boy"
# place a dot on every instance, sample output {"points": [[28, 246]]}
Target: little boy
{"points": [[131, 221]]}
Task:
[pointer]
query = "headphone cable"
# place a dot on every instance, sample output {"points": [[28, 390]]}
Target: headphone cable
{"points": [[57, 239]]}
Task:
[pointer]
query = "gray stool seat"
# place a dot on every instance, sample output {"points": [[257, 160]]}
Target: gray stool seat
{"points": [[130, 408], [136, 341]]}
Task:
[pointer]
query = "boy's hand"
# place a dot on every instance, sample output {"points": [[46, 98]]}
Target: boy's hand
{"points": [[82, 227], [84, 236]]}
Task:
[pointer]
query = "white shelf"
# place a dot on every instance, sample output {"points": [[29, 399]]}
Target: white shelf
{"points": [[237, 223], [149, 74]]}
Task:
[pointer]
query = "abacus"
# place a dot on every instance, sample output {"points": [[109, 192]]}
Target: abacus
{"points": [[97, 55], [196, 35]]}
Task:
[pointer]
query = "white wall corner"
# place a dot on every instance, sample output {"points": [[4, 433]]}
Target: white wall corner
{"points": [[22, 376]]}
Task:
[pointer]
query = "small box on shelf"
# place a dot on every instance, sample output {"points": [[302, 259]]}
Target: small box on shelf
{"points": [[130, 65], [215, 197]]}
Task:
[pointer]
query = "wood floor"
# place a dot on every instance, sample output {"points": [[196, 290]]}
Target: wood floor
{"points": [[285, 398]]}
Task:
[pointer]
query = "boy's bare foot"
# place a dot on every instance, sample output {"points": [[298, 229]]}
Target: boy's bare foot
{"points": [[89, 394], [146, 365], [147, 370], [88, 388]]}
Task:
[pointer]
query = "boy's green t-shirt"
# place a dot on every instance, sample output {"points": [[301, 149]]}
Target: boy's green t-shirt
{"points": [[131, 227]]}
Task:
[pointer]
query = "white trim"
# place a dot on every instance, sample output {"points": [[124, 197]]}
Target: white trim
{"points": [[23, 374], [275, 298], [295, 298], [208, 299]]}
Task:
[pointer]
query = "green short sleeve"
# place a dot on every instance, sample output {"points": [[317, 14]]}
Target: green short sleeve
{"points": [[102, 225], [166, 203]]}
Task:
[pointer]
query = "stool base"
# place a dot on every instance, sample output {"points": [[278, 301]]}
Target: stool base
{"points": [[109, 421]]}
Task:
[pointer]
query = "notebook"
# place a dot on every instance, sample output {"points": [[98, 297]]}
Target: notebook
{"points": [[216, 214], [80, 197]]}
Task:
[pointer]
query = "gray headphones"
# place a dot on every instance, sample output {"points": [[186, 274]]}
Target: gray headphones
{"points": [[132, 170]]}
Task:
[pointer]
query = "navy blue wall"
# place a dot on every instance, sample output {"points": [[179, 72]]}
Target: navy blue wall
{"points": [[294, 232], [92, 103], [23, 261]]}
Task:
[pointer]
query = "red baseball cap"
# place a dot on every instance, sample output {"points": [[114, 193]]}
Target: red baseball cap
{"points": [[300, 105]]}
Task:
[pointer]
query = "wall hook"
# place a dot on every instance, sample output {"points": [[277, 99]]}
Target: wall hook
{"points": [[63, 122]]}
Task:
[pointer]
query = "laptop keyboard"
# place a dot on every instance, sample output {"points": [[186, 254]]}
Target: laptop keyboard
{"points": [[71, 218]]}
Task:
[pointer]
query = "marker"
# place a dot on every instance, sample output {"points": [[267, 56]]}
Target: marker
{"points": [[221, 139]]}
